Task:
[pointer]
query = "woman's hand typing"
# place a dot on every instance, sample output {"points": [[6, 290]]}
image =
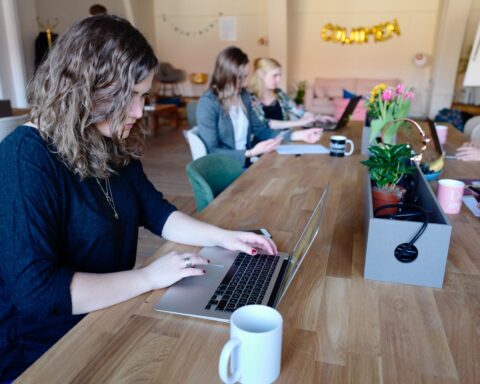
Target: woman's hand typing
{"points": [[247, 242], [172, 267]]}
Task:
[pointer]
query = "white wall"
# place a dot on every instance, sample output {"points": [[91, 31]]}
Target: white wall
{"points": [[450, 34], [65, 11], [12, 68], [308, 55], [471, 28], [312, 57], [144, 18], [69, 11], [198, 53], [4, 64], [27, 13]]}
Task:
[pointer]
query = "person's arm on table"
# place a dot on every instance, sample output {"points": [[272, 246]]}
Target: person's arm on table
{"points": [[91, 291], [311, 135], [282, 124], [199, 233], [469, 152]]}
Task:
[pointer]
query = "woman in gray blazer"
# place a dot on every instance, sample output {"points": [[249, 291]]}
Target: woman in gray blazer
{"points": [[226, 120]]}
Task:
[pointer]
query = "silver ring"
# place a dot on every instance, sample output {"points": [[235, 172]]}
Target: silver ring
{"points": [[188, 262]]}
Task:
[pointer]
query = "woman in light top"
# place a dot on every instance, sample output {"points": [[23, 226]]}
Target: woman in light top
{"points": [[225, 118], [74, 194], [273, 106]]}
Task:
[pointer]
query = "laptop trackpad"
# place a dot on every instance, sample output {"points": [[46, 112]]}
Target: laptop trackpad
{"points": [[192, 293]]}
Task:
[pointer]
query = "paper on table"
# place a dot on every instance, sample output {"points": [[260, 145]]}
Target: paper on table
{"points": [[471, 203], [300, 149]]}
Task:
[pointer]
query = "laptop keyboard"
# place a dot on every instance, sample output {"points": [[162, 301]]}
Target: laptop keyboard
{"points": [[245, 282]]}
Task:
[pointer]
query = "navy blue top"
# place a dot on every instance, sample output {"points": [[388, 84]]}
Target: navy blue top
{"points": [[53, 224]]}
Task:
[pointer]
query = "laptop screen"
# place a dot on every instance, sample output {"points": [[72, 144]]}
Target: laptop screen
{"points": [[347, 113], [433, 133], [303, 244]]}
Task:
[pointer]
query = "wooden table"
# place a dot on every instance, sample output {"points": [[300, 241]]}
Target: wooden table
{"points": [[338, 327], [156, 111]]}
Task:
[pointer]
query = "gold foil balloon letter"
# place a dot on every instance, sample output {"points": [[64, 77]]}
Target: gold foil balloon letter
{"points": [[360, 35]]}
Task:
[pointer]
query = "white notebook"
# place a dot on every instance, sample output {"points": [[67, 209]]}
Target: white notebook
{"points": [[471, 203], [302, 149]]}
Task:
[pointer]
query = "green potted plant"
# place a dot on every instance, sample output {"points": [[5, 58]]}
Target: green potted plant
{"points": [[300, 94], [387, 165]]}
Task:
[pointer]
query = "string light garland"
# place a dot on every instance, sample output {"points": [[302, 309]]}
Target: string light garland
{"points": [[199, 32], [360, 35]]}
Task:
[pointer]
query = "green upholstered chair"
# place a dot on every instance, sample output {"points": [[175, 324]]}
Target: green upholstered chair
{"points": [[210, 175], [191, 113]]}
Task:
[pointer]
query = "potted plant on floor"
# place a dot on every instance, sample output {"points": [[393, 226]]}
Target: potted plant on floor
{"points": [[387, 165], [300, 93]]}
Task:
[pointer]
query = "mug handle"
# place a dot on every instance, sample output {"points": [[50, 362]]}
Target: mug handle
{"points": [[223, 363], [352, 147]]}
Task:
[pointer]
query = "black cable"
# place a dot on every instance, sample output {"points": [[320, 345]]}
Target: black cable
{"points": [[406, 252]]}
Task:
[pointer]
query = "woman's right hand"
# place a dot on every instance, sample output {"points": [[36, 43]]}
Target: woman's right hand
{"points": [[170, 268], [306, 120], [264, 147]]}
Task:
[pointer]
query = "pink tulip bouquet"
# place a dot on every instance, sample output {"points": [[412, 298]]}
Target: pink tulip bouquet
{"points": [[384, 105]]}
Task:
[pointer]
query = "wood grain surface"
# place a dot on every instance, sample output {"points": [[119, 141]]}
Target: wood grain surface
{"points": [[338, 327]]}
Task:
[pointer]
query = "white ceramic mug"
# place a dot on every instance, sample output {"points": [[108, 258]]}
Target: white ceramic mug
{"points": [[450, 194], [255, 346], [338, 144]]}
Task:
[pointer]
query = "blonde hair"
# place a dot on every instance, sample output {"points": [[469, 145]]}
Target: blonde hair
{"points": [[87, 78], [225, 78], [260, 67]]}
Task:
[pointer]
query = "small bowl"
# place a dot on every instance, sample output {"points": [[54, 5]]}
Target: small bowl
{"points": [[198, 78], [433, 176]]}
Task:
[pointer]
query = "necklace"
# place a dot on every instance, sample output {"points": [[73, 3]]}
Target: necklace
{"points": [[107, 192]]}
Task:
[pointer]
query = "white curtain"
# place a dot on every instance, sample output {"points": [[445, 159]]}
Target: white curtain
{"points": [[12, 66]]}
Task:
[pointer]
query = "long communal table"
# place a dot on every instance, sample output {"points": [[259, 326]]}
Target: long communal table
{"points": [[338, 327]]}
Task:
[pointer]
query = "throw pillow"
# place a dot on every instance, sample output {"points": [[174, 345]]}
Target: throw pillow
{"points": [[348, 95]]}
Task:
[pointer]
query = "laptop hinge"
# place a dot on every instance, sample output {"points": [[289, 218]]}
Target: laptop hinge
{"points": [[273, 296]]}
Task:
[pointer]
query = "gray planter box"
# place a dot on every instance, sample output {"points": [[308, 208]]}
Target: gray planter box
{"points": [[365, 140], [383, 236]]}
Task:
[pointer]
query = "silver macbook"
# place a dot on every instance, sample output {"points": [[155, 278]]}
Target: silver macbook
{"points": [[236, 279]]}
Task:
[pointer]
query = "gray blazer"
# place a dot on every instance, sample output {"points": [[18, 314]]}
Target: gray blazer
{"points": [[215, 127]]}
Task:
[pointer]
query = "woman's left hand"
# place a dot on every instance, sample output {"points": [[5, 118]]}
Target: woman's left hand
{"points": [[325, 119], [247, 242], [468, 152], [311, 135]]}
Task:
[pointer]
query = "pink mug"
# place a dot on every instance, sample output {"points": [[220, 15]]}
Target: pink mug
{"points": [[449, 195], [442, 132]]}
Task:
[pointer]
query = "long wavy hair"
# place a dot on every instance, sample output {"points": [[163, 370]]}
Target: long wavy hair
{"points": [[225, 79], [260, 67], [88, 78]]}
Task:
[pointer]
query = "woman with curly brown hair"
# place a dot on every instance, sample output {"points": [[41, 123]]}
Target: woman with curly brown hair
{"points": [[74, 194]]}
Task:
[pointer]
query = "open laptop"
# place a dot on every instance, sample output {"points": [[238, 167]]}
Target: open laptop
{"points": [[434, 135], [236, 279], [333, 126]]}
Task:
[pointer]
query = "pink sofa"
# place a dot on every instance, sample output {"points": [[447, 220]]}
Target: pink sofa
{"points": [[325, 96]]}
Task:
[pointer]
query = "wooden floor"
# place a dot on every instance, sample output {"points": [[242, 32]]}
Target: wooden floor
{"points": [[164, 163]]}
